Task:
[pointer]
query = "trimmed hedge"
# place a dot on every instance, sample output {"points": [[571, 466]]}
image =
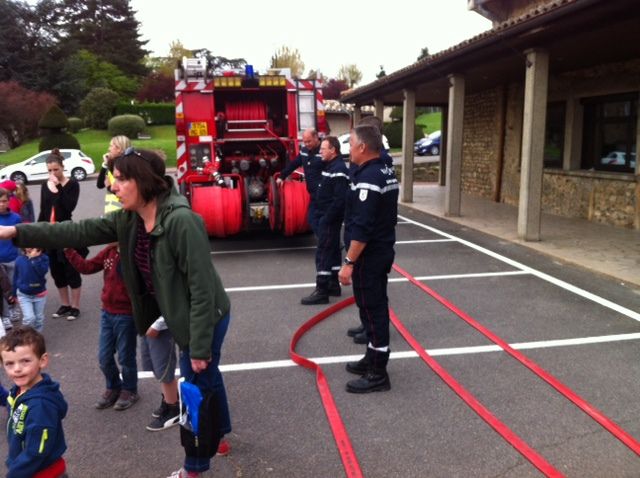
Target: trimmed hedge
{"points": [[393, 132], [75, 124], [58, 140], [128, 125], [152, 113]]}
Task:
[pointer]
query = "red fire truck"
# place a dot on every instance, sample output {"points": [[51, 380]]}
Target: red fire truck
{"points": [[235, 132]]}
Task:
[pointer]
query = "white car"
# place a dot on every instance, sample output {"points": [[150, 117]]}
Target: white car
{"points": [[345, 147], [618, 158], [76, 164]]}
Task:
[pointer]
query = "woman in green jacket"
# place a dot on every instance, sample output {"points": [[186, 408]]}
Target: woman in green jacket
{"points": [[165, 258]]}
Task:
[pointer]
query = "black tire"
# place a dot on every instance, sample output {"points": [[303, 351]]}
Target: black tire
{"points": [[79, 174], [434, 150], [18, 177]]}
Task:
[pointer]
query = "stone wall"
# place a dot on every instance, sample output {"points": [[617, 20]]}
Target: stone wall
{"points": [[602, 198], [480, 143]]}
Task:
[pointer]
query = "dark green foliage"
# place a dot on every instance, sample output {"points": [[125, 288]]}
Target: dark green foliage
{"points": [[54, 119], [75, 124], [58, 140], [393, 132], [128, 125], [107, 29], [98, 107], [153, 113]]}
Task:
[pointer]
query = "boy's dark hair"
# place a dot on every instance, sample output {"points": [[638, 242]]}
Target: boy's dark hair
{"points": [[21, 336], [4, 192], [146, 168]]}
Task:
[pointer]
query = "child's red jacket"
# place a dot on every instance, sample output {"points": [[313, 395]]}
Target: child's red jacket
{"points": [[115, 298]]}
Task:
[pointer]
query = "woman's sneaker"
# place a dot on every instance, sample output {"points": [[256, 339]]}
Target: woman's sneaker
{"points": [[168, 417], [62, 311], [73, 313]]}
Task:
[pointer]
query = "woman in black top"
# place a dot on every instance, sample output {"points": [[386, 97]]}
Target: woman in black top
{"points": [[58, 199]]}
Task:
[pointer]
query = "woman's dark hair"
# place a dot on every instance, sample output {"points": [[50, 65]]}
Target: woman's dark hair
{"points": [[146, 168], [333, 142], [55, 157]]}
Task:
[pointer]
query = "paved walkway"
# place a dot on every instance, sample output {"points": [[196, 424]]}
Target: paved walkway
{"points": [[605, 249]]}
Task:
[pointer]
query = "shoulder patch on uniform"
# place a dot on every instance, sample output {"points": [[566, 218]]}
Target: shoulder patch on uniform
{"points": [[363, 194]]}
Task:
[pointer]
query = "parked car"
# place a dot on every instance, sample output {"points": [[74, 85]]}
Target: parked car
{"points": [[76, 164], [618, 158], [428, 145], [345, 147]]}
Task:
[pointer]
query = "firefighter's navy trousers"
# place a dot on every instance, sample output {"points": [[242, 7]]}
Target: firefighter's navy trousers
{"points": [[370, 277], [328, 254]]}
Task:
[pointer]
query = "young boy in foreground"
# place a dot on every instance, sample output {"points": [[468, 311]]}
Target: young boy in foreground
{"points": [[34, 432]]}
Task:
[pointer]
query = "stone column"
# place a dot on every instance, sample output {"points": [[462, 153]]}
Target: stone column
{"points": [[378, 106], [408, 122], [571, 155], [533, 133], [636, 222], [444, 129], [452, 198], [357, 115]]}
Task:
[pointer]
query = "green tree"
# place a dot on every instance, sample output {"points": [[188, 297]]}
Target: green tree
{"points": [[106, 28], [165, 65], [286, 57], [29, 43], [98, 107], [351, 74]]}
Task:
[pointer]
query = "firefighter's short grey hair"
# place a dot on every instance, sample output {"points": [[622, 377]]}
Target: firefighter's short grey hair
{"points": [[369, 136]]}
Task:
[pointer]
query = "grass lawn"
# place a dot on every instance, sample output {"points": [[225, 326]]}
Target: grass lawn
{"points": [[94, 143], [430, 122]]}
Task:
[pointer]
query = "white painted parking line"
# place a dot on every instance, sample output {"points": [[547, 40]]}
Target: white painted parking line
{"points": [[541, 275], [393, 279], [275, 249], [302, 248], [541, 344]]}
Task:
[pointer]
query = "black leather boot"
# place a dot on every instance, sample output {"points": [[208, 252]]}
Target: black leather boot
{"points": [[361, 338], [353, 331], [334, 286], [361, 366], [376, 378], [318, 296], [334, 289]]}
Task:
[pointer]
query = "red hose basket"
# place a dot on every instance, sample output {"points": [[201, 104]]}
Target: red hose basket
{"points": [[221, 209]]}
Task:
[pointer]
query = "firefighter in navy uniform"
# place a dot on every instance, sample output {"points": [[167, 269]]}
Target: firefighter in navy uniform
{"points": [[358, 333], [326, 221], [311, 162], [370, 220]]}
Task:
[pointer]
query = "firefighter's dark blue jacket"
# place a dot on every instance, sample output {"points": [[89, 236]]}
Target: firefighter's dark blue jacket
{"points": [[34, 431], [311, 163], [331, 192], [372, 205]]}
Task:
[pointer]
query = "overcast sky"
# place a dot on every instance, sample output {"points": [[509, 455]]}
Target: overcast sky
{"points": [[329, 34]]}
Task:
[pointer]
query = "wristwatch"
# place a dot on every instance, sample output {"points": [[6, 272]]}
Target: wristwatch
{"points": [[348, 262]]}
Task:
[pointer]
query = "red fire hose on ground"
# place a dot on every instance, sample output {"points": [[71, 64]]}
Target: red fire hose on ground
{"points": [[349, 460]]}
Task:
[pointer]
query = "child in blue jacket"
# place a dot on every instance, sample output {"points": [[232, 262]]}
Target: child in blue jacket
{"points": [[30, 286], [34, 432]]}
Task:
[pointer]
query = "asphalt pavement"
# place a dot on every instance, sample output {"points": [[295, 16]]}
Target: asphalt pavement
{"points": [[581, 327]]}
